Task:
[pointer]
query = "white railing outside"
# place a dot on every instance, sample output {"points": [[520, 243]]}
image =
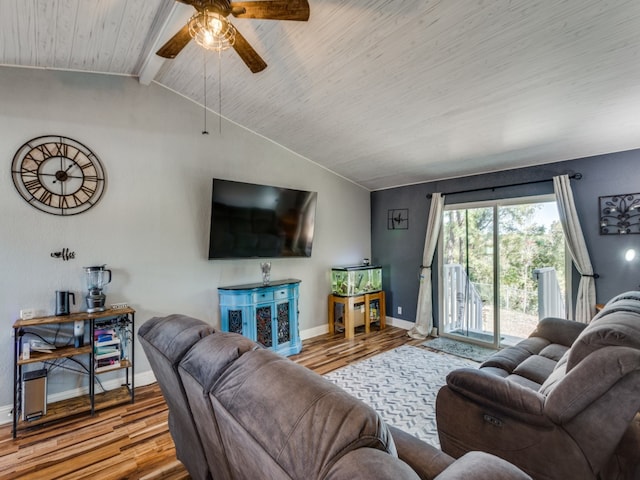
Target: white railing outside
{"points": [[462, 305], [550, 298]]}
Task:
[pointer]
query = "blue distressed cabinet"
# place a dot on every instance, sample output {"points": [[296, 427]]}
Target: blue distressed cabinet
{"points": [[267, 314]]}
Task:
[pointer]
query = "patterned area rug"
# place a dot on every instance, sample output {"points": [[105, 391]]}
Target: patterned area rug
{"points": [[401, 385], [460, 349]]}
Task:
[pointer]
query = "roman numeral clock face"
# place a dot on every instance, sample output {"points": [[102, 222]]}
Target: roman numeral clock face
{"points": [[58, 175]]}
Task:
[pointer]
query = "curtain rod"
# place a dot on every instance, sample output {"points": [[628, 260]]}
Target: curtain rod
{"points": [[576, 176]]}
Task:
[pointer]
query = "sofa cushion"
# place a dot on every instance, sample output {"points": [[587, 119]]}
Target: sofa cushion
{"points": [[535, 368], [554, 351], [558, 330], [509, 358], [558, 374], [524, 382]]}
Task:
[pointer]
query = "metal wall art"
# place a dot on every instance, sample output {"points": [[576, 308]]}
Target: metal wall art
{"points": [[620, 214], [398, 219]]}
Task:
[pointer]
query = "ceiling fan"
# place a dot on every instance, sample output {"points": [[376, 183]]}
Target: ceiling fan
{"points": [[212, 16]]}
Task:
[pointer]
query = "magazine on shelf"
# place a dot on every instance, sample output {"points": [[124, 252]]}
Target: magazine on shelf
{"points": [[110, 366], [114, 341], [105, 355], [107, 363]]}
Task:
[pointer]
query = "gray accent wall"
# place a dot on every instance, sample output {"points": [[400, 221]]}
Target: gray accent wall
{"points": [[400, 251]]}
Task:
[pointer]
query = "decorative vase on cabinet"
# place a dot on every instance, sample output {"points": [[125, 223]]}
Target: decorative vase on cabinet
{"points": [[267, 314]]}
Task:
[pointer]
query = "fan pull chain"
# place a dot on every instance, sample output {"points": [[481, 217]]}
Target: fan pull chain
{"points": [[204, 56], [220, 91]]}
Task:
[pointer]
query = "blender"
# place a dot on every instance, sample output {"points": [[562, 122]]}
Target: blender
{"points": [[97, 278]]}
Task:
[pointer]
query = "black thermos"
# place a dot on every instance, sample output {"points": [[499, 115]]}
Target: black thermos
{"points": [[62, 302]]}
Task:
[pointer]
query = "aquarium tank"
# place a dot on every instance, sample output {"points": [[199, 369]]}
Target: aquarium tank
{"points": [[356, 280]]}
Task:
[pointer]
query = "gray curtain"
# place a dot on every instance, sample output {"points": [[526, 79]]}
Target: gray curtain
{"points": [[586, 300], [424, 314]]}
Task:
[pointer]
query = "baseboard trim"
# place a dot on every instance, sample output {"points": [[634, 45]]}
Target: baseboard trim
{"points": [[141, 379], [396, 322], [322, 329], [147, 378], [314, 332]]}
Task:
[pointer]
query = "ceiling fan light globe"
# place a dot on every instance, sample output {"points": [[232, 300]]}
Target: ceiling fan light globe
{"points": [[215, 26], [212, 31]]}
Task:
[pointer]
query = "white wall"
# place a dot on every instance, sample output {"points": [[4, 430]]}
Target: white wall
{"points": [[152, 225]]}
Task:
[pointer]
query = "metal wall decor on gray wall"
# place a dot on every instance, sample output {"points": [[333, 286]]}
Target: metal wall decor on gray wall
{"points": [[398, 219], [620, 214]]}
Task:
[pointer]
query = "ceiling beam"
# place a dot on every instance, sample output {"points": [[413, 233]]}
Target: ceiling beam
{"points": [[176, 18]]}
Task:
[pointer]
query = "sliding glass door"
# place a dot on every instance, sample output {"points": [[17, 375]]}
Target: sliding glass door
{"points": [[502, 269], [468, 272]]}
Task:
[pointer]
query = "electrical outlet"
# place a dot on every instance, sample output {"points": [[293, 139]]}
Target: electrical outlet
{"points": [[27, 313], [399, 310]]}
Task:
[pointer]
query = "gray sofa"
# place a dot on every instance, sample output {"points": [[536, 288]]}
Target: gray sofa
{"points": [[238, 411], [562, 404]]}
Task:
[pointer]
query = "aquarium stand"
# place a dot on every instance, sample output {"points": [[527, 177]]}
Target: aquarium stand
{"points": [[350, 312]]}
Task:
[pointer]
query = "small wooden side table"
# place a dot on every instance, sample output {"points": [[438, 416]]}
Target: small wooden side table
{"points": [[348, 304]]}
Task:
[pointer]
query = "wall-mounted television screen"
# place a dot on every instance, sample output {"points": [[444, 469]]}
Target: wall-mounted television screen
{"points": [[260, 221]]}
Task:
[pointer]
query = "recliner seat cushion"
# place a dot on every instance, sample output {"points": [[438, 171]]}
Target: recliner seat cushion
{"points": [[509, 358], [536, 368]]}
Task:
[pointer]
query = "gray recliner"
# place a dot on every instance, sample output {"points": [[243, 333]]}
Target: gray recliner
{"points": [[562, 404], [256, 414], [165, 342]]}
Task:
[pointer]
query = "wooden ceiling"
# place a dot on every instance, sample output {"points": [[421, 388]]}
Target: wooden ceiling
{"points": [[382, 92]]}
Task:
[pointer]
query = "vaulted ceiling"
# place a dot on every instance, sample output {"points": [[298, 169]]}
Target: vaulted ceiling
{"points": [[382, 92]]}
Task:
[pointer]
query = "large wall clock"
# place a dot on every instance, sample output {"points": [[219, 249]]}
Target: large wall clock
{"points": [[58, 175]]}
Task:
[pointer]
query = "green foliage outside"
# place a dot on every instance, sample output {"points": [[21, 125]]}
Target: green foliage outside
{"points": [[524, 245]]}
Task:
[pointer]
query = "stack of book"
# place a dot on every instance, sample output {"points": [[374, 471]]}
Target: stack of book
{"points": [[106, 350]]}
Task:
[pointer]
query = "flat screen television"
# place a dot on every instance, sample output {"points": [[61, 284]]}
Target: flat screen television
{"points": [[260, 221]]}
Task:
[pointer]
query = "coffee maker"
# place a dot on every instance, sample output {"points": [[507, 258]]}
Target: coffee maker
{"points": [[97, 278]]}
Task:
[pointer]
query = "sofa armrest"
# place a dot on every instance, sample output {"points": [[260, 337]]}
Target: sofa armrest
{"points": [[482, 466], [426, 460], [499, 393], [558, 330]]}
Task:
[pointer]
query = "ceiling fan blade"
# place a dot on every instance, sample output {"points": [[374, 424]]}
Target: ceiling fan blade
{"points": [[248, 54], [175, 44], [272, 10]]}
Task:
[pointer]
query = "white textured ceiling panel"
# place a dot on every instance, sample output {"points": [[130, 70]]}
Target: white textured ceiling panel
{"points": [[383, 92]]}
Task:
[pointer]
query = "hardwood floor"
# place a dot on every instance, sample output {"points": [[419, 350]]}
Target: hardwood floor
{"points": [[133, 441]]}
